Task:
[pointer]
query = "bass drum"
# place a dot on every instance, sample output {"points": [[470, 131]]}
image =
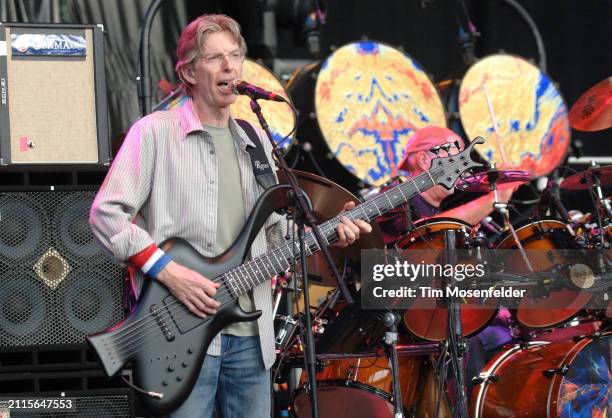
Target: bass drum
{"points": [[279, 116], [544, 237], [426, 318], [362, 388], [358, 109], [532, 132], [563, 379]]}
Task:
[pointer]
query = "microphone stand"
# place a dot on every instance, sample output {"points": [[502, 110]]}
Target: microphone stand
{"points": [[304, 216], [456, 344], [390, 321]]}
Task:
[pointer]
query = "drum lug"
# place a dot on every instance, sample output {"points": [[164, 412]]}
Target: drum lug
{"points": [[595, 336], [559, 370], [477, 380]]}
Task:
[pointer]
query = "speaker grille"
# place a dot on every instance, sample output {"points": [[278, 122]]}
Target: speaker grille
{"points": [[56, 283]]}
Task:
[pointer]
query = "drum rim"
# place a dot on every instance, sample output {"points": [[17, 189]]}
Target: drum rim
{"points": [[443, 219], [553, 81], [568, 359], [490, 369], [554, 383], [347, 384], [427, 222], [327, 150], [521, 226]]}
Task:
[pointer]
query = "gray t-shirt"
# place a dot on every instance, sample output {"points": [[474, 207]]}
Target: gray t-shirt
{"points": [[230, 214]]}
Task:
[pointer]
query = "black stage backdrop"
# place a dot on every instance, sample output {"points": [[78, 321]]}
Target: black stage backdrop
{"points": [[575, 34]]}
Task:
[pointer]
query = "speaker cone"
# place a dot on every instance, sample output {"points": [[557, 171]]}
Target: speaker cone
{"points": [[23, 309], [21, 226]]}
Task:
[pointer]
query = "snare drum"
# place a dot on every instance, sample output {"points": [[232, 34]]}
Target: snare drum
{"points": [[425, 318], [361, 387], [563, 379], [279, 116], [531, 116], [548, 234], [359, 107]]}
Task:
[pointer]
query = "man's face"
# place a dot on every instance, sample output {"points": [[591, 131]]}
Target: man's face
{"points": [[219, 63]]}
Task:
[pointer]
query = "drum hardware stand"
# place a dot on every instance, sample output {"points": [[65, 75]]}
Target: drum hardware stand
{"points": [[502, 209], [602, 205], [303, 217], [550, 198], [604, 214], [456, 345], [390, 321], [518, 330]]}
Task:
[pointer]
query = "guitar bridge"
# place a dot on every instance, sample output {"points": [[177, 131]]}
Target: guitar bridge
{"points": [[161, 322]]}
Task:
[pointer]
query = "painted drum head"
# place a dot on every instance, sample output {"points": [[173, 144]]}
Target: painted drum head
{"points": [[369, 99], [532, 118]]}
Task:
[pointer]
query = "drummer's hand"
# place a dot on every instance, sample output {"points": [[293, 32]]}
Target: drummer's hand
{"points": [[349, 231]]}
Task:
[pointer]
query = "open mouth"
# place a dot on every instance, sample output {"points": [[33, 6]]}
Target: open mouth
{"points": [[225, 85]]}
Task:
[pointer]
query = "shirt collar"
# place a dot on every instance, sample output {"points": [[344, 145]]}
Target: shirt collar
{"points": [[190, 122]]}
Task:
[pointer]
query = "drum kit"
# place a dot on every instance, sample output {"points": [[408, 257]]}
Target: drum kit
{"points": [[358, 110]]}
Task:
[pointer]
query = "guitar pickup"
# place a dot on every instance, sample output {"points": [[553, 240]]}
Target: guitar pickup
{"points": [[161, 322]]}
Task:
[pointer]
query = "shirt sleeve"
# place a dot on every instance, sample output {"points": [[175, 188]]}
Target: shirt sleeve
{"points": [[123, 193]]}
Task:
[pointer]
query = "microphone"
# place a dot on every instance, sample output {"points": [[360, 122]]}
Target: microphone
{"points": [[254, 92]]}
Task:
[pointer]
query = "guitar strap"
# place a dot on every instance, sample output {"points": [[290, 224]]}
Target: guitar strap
{"points": [[261, 167]]}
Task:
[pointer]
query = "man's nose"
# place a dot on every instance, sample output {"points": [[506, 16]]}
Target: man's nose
{"points": [[227, 64]]}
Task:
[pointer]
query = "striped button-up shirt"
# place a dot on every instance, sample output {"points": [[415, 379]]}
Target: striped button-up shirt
{"points": [[163, 184]]}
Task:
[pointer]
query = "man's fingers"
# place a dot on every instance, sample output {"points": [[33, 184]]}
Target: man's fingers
{"points": [[341, 234], [350, 225], [363, 226], [204, 303], [349, 205], [192, 308], [210, 288], [210, 302]]}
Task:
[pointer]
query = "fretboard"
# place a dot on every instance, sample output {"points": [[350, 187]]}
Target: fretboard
{"points": [[252, 273]]}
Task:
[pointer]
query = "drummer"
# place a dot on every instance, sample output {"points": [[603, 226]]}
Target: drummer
{"points": [[427, 205], [417, 160]]}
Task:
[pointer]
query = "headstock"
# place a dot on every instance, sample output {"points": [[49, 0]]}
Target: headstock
{"points": [[446, 170]]}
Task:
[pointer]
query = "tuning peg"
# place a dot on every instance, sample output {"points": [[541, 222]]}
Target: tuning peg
{"points": [[446, 146], [435, 150]]}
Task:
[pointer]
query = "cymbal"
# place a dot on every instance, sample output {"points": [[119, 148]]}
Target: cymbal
{"points": [[328, 200], [579, 181], [593, 110], [479, 182]]}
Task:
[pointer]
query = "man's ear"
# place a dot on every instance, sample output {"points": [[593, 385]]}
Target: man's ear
{"points": [[422, 160], [188, 74]]}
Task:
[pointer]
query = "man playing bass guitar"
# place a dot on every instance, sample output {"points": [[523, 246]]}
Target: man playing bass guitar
{"points": [[186, 173]]}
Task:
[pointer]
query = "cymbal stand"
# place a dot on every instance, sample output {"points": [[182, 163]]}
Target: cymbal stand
{"points": [[502, 209], [602, 205], [602, 209]]}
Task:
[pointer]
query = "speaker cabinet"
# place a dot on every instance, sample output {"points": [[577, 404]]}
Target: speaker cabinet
{"points": [[56, 283], [53, 107]]}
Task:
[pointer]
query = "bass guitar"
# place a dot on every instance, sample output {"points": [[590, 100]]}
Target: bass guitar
{"points": [[166, 343]]}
